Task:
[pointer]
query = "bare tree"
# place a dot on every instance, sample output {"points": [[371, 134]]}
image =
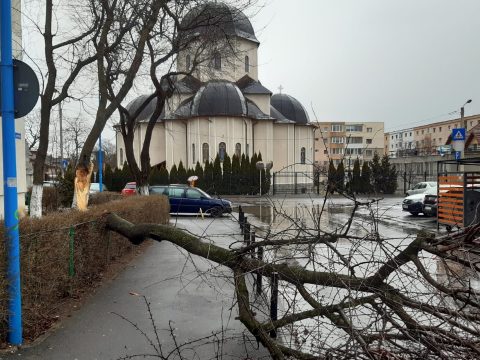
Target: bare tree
{"points": [[32, 130], [346, 290], [66, 54], [75, 133]]}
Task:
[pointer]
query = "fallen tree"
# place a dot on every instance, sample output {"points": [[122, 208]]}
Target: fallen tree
{"points": [[378, 300]]}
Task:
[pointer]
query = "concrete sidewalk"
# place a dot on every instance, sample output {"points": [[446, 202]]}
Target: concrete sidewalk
{"points": [[185, 293]]}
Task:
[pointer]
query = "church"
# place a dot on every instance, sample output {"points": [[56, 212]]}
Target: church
{"points": [[227, 110]]}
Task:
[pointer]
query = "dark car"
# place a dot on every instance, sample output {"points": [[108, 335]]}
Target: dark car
{"points": [[430, 205], [190, 200]]}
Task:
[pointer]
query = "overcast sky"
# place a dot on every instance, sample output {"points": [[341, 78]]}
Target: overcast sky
{"points": [[404, 62]]}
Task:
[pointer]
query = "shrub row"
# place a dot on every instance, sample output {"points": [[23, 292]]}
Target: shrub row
{"points": [[45, 253]]}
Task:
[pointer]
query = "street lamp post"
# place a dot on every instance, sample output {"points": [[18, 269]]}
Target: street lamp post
{"points": [[462, 114]]}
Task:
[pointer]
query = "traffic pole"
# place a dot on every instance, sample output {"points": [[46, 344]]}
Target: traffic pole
{"points": [[10, 178]]}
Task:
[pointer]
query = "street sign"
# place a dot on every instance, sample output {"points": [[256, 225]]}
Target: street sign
{"points": [[458, 134], [64, 163], [26, 88], [458, 155]]}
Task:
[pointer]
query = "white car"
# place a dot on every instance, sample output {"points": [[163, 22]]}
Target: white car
{"points": [[422, 187], [414, 203]]}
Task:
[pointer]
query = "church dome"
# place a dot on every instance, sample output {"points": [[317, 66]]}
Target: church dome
{"points": [[213, 16], [290, 107], [219, 98]]}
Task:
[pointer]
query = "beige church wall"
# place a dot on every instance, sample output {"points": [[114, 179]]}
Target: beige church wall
{"points": [[120, 148], [175, 142], [264, 139], [157, 143], [281, 155], [233, 66], [261, 100], [171, 105], [250, 49]]}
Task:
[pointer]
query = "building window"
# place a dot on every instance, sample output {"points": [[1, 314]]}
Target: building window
{"points": [[302, 155], [222, 148], [193, 153], [433, 129], [337, 128], [247, 64], [238, 150], [368, 152], [205, 152], [449, 127], [338, 140], [338, 151], [217, 61], [392, 137], [354, 140], [411, 133], [440, 129], [369, 141], [187, 62], [121, 157], [369, 129], [325, 151], [423, 132], [352, 128]]}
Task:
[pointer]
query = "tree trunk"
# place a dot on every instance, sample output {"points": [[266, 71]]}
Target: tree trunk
{"points": [[36, 201], [143, 190]]}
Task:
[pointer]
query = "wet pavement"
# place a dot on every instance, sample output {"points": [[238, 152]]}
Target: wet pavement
{"points": [[189, 300]]}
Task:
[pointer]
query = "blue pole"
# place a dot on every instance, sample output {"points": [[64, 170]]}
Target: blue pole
{"points": [[10, 178], [100, 163]]}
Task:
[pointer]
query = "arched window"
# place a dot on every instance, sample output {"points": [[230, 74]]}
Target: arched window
{"points": [[302, 155], [238, 150], [187, 62], [222, 149], [205, 151], [193, 154], [247, 64], [121, 157], [217, 61]]}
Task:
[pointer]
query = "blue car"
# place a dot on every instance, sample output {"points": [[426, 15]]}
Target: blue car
{"points": [[189, 200]]}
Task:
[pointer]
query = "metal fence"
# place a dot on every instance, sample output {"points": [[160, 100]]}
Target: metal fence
{"points": [[295, 182]]}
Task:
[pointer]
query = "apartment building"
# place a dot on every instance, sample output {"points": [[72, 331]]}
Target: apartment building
{"points": [[400, 143], [429, 138], [347, 141]]}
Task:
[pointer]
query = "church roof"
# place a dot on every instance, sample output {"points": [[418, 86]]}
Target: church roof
{"points": [[219, 98], [187, 85], [290, 108], [251, 86], [274, 113], [218, 17], [148, 109]]}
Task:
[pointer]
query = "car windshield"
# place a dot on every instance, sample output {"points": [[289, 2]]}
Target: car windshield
{"points": [[203, 193], [130, 186], [157, 190]]}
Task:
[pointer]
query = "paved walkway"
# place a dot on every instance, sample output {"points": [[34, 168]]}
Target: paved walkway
{"points": [[185, 293]]}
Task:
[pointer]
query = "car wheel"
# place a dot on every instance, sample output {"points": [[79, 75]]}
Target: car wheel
{"points": [[216, 212], [414, 213]]}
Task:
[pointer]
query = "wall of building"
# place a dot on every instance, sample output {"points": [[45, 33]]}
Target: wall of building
{"points": [[233, 62]]}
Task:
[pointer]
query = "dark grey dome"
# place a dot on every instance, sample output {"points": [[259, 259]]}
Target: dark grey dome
{"points": [[147, 110], [290, 108], [219, 98], [218, 17]]}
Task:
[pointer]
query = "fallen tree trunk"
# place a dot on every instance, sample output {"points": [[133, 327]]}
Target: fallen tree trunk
{"points": [[439, 323]]}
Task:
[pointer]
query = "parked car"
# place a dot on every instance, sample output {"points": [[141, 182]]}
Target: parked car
{"points": [[129, 189], [414, 203], [430, 205], [422, 187], [189, 200], [95, 188]]}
